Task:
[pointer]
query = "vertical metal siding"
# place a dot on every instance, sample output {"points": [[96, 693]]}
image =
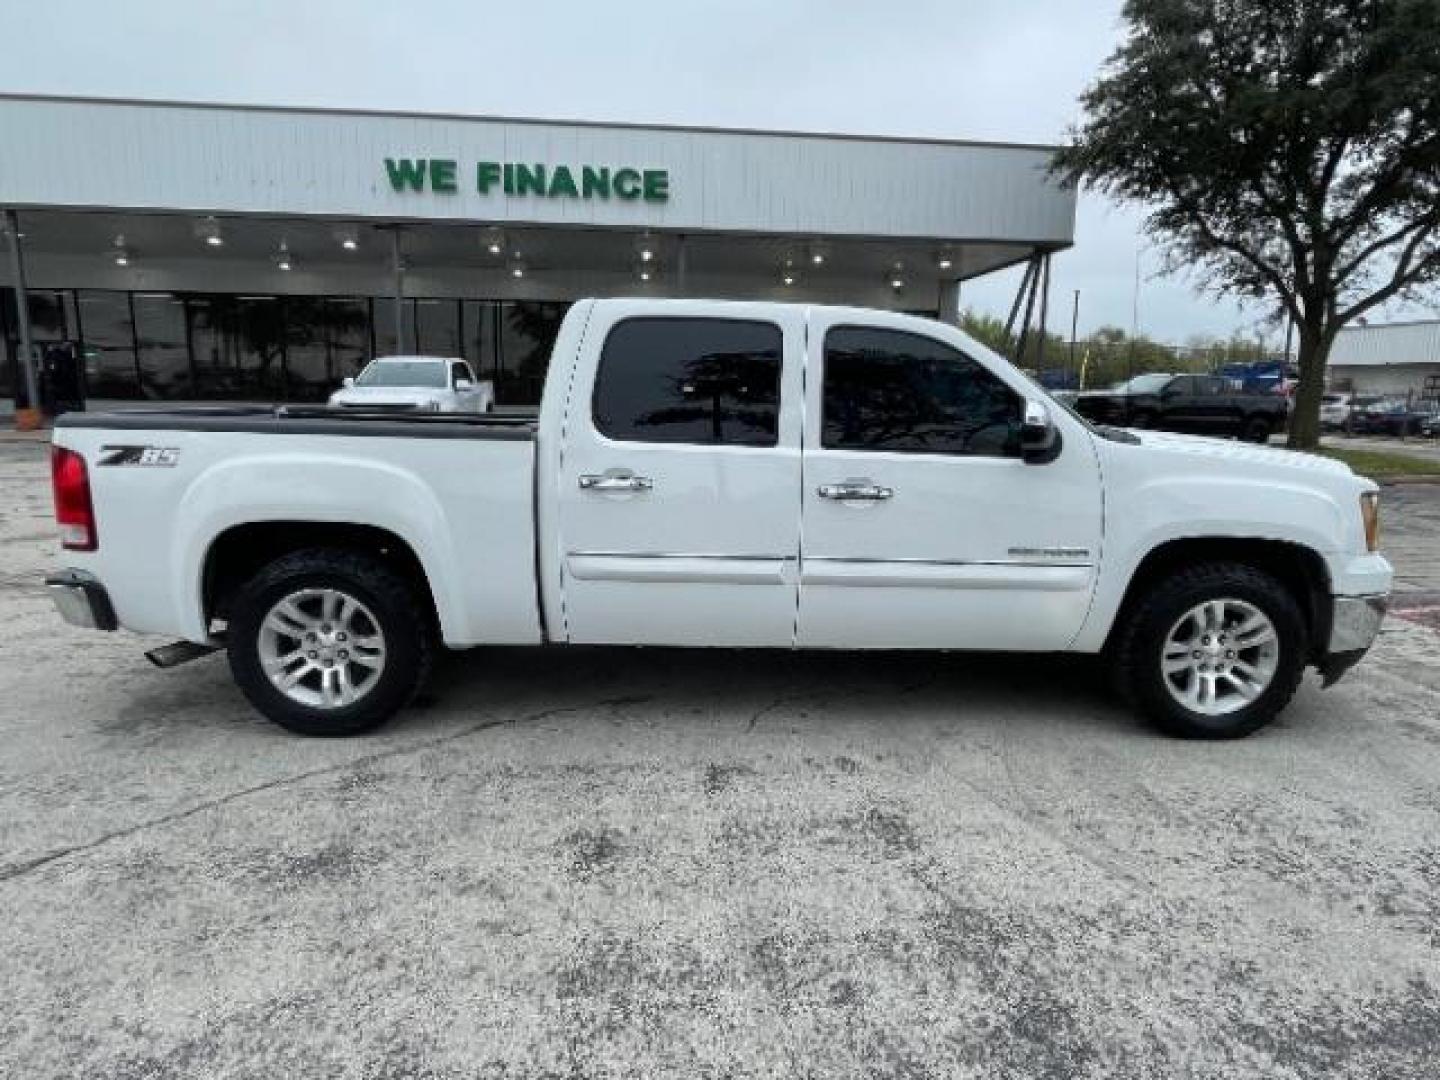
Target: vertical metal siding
{"points": [[1398, 343], [235, 160]]}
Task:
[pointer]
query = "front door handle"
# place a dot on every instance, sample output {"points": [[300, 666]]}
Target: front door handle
{"points": [[853, 489], [607, 482]]}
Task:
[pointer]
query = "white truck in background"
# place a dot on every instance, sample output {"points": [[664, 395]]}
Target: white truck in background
{"points": [[707, 473], [416, 384]]}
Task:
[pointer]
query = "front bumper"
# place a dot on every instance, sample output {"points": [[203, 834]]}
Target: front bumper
{"points": [[1354, 624], [82, 600]]}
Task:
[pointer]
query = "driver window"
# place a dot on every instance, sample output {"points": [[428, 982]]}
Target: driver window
{"points": [[458, 372], [897, 391]]}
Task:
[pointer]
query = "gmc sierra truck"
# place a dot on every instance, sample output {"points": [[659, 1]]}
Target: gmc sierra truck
{"points": [[705, 473]]}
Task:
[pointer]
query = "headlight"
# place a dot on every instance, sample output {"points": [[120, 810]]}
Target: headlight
{"points": [[1370, 515]]}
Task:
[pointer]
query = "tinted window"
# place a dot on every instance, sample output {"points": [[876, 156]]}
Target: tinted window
{"points": [[1212, 387], [690, 381], [892, 390], [458, 372]]}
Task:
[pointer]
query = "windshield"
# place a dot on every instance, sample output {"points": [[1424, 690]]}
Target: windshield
{"points": [[1143, 384], [426, 373]]}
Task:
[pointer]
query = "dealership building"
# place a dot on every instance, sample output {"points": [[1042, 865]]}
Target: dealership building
{"points": [[206, 252]]}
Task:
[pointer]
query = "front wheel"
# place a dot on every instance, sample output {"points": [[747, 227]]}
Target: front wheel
{"points": [[1212, 652], [328, 642]]}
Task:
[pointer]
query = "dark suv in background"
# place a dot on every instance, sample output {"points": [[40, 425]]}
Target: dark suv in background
{"points": [[1197, 404]]}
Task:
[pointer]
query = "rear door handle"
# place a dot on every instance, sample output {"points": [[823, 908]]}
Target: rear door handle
{"points": [[860, 490], [594, 482]]}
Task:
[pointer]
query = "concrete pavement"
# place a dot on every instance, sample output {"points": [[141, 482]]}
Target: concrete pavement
{"points": [[614, 863]]}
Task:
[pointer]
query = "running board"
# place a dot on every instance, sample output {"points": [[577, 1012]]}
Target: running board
{"points": [[177, 653]]}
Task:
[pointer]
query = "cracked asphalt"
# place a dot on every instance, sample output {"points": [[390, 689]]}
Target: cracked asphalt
{"points": [[606, 863]]}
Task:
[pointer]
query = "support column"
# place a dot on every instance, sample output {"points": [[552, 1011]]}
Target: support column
{"points": [[22, 311], [950, 302], [397, 263]]}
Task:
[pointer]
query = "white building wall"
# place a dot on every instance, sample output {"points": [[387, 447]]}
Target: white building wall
{"points": [[240, 160]]}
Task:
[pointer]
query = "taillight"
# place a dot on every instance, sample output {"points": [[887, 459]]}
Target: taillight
{"points": [[74, 512]]}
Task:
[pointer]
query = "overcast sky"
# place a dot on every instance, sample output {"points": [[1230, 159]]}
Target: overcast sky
{"points": [[976, 69]]}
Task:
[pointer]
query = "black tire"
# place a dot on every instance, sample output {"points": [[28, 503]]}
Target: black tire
{"points": [[397, 610], [1140, 638], [1257, 430]]}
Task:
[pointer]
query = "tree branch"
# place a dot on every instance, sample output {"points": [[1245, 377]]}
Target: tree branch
{"points": [[1405, 275]]}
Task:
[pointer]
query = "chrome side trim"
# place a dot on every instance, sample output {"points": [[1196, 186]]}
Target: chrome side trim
{"points": [[669, 567], [920, 573]]}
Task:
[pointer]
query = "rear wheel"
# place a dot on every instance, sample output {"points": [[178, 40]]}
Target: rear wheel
{"points": [[328, 642], [1212, 652], [1257, 430]]}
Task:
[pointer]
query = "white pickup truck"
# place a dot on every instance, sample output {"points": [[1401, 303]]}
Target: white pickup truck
{"points": [[706, 473]]}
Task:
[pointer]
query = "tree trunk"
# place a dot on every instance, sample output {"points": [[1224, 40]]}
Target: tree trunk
{"points": [[1313, 356]]}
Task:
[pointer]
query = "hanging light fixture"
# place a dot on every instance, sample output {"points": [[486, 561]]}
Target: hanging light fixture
{"points": [[817, 255], [119, 252], [517, 265], [349, 238], [944, 260], [645, 248], [209, 231], [282, 257], [897, 277], [494, 241]]}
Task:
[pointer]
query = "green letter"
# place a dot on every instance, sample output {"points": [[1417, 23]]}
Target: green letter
{"points": [[486, 173], [562, 183], [529, 181], [406, 172], [657, 185], [627, 183], [595, 182], [442, 176], [509, 179]]}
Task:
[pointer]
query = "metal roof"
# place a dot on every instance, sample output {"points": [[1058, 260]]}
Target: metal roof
{"points": [[1391, 343]]}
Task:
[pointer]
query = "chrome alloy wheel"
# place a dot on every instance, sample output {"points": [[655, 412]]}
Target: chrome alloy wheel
{"points": [[322, 648], [1220, 656]]}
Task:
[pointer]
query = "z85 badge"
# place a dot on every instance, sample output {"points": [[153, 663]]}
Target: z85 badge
{"points": [[158, 456]]}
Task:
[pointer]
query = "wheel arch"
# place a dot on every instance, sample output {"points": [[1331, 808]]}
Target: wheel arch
{"points": [[238, 552], [1301, 569]]}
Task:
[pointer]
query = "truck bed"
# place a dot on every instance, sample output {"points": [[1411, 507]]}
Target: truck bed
{"points": [[310, 420]]}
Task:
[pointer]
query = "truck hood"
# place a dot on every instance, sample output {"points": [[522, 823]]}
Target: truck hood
{"points": [[386, 395], [1228, 450]]}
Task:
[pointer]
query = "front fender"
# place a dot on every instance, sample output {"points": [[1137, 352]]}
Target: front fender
{"points": [[1145, 516]]}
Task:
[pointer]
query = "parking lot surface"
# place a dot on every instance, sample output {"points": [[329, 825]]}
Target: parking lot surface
{"points": [[649, 863]]}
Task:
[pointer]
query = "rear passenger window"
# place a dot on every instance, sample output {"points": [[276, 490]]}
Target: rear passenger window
{"points": [[711, 381], [893, 390]]}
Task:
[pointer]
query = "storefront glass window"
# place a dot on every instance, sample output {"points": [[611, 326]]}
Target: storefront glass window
{"points": [[108, 336], [437, 327], [164, 357], [348, 319], [478, 343], [385, 328], [527, 334], [238, 343]]}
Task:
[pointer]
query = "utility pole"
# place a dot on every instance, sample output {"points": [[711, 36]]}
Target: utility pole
{"points": [[22, 311], [1074, 324]]}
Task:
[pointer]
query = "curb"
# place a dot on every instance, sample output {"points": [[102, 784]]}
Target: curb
{"points": [[1419, 479]]}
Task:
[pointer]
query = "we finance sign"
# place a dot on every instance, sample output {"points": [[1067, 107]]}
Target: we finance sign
{"points": [[444, 176]]}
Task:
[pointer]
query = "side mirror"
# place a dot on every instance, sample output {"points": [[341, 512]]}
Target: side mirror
{"points": [[1039, 438], [464, 384], [349, 383]]}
